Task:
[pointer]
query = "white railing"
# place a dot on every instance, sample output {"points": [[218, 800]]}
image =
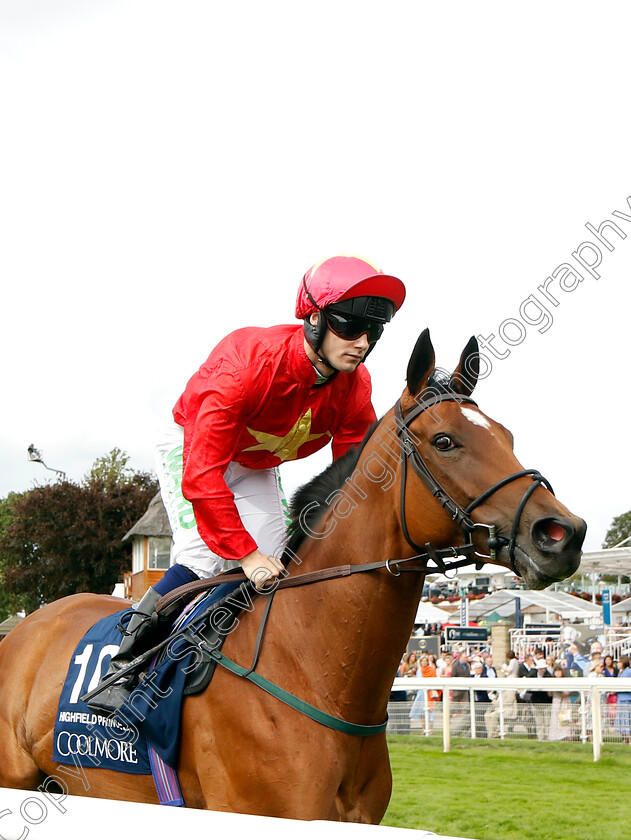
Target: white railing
{"points": [[591, 691], [47, 816], [617, 642], [522, 644]]}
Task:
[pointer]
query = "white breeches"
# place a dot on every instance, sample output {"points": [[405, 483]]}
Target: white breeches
{"points": [[258, 496]]}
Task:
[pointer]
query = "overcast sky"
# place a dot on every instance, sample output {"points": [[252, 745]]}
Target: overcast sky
{"points": [[171, 169]]}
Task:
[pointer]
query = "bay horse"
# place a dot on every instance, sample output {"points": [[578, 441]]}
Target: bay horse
{"points": [[407, 495]]}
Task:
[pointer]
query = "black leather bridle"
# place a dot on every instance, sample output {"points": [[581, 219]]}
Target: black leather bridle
{"points": [[459, 514]]}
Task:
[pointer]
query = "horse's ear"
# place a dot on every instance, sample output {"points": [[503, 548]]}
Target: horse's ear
{"points": [[465, 376], [421, 364]]}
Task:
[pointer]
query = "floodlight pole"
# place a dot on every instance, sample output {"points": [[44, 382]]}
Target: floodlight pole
{"points": [[35, 456]]}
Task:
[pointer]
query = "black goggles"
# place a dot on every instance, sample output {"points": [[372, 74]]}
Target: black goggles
{"points": [[350, 327]]}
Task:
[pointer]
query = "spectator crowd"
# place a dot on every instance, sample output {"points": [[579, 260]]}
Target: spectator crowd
{"points": [[548, 715]]}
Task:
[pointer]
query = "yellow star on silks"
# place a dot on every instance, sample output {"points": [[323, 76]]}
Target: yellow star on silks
{"points": [[286, 447]]}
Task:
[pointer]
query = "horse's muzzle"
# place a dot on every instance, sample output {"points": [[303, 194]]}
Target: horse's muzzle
{"points": [[557, 541]]}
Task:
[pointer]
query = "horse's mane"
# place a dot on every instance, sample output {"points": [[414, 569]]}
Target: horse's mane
{"points": [[313, 495]]}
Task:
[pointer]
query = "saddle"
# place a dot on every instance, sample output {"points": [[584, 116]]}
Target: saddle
{"points": [[202, 627]]}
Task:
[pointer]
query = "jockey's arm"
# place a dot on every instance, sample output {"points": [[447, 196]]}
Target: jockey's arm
{"points": [[209, 446], [213, 440]]}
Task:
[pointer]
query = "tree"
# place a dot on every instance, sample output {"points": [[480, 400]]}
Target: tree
{"points": [[111, 470], [63, 538], [619, 530], [9, 603]]}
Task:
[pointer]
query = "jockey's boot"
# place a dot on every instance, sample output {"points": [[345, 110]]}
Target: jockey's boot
{"points": [[137, 639]]}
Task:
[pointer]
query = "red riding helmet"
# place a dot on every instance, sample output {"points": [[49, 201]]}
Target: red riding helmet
{"points": [[342, 277], [351, 296]]}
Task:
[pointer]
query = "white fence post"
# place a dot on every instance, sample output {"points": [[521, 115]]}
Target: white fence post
{"points": [[583, 714], [596, 723], [446, 716], [428, 730]]}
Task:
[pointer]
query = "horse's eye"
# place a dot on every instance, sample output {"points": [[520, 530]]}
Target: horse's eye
{"points": [[444, 443]]}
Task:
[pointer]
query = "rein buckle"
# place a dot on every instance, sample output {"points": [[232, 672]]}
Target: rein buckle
{"points": [[394, 574]]}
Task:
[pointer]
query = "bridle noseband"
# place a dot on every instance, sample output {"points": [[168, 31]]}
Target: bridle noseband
{"points": [[459, 514]]}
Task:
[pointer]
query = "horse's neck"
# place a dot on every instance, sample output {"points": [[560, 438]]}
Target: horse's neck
{"points": [[350, 633], [354, 630]]}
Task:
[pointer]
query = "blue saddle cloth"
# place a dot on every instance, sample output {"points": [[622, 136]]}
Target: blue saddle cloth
{"points": [[90, 738], [151, 717]]}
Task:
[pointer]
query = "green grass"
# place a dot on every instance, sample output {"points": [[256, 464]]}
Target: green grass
{"points": [[510, 790]]}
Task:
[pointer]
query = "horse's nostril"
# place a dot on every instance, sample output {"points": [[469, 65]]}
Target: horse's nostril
{"points": [[553, 530], [549, 533]]}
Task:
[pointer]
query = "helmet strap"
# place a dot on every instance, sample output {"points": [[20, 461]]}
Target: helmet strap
{"points": [[314, 333]]}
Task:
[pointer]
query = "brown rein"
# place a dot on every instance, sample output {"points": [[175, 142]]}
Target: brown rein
{"points": [[172, 600], [184, 593]]}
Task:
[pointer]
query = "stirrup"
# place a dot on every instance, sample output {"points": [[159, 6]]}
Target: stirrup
{"points": [[112, 698], [135, 626]]}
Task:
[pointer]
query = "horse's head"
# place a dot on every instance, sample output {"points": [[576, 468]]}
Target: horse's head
{"points": [[467, 462]]}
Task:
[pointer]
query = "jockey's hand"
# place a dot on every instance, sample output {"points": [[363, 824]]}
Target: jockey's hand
{"points": [[260, 568]]}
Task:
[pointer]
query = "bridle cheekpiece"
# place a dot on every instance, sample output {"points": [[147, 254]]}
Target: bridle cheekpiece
{"points": [[462, 516]]}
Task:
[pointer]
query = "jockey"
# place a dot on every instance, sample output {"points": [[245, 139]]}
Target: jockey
{"points": [[263, 396]]}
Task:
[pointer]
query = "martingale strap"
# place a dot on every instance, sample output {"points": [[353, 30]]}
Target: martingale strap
{"points": [[286, 697], [296, 703]]}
